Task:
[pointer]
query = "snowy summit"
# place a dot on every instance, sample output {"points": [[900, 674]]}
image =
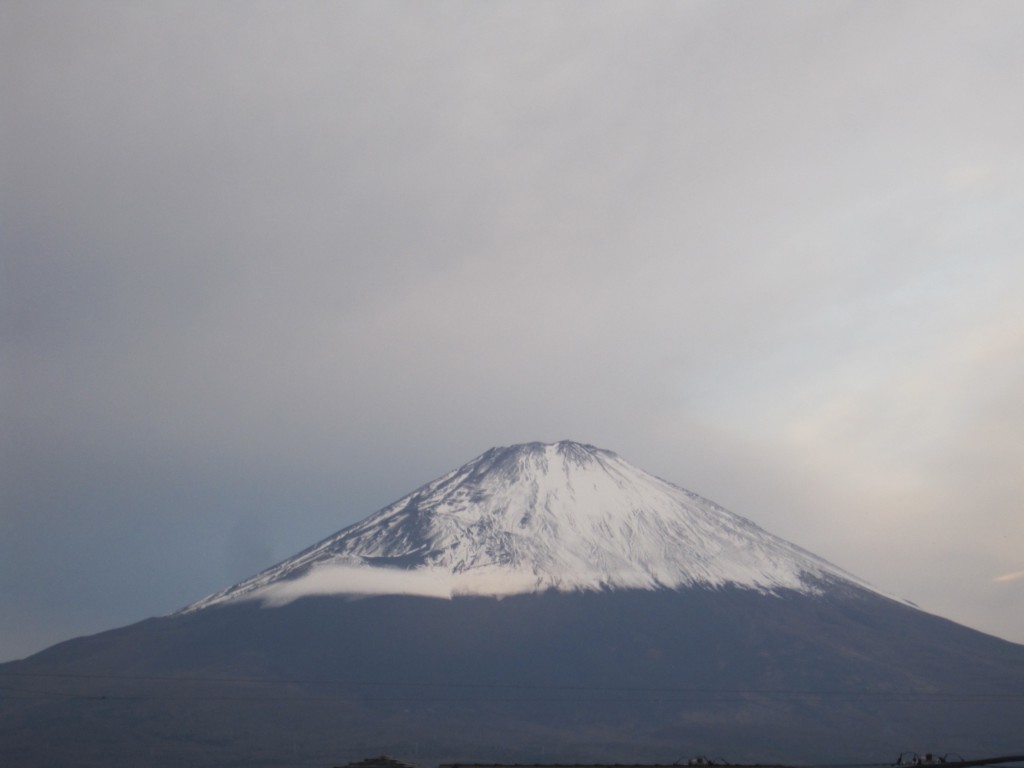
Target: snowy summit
{"points": [[534, 517]]}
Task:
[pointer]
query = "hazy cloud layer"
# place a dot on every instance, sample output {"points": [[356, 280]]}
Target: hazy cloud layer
{"points": [[267, 267], [366, 581]]}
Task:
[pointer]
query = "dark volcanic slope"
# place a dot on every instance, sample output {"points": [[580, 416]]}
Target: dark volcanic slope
{"points": [[625, 675]]}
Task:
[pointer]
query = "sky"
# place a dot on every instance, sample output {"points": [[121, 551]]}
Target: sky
{"points": [[266, 267]]}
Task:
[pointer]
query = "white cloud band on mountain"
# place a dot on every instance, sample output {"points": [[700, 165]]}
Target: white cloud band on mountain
{"points": [[366, 581]]}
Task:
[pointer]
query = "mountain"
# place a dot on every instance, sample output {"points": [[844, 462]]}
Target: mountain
{"points": [[540, 603]]}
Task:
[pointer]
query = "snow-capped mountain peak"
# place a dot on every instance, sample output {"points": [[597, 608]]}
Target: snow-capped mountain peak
{"points": [[533, 517]]}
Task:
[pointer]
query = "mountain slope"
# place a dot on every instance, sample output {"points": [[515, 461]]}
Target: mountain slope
{"points": [[532, 517], [617, 676]]}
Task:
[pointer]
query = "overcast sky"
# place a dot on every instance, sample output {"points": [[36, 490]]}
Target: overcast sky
{"points": [[266, 267]]}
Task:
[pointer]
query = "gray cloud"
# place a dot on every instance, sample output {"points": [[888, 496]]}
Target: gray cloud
{"points": [[282, 265]]}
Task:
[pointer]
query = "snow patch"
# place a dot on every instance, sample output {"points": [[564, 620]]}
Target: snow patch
{"points": [[534, 517]]}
